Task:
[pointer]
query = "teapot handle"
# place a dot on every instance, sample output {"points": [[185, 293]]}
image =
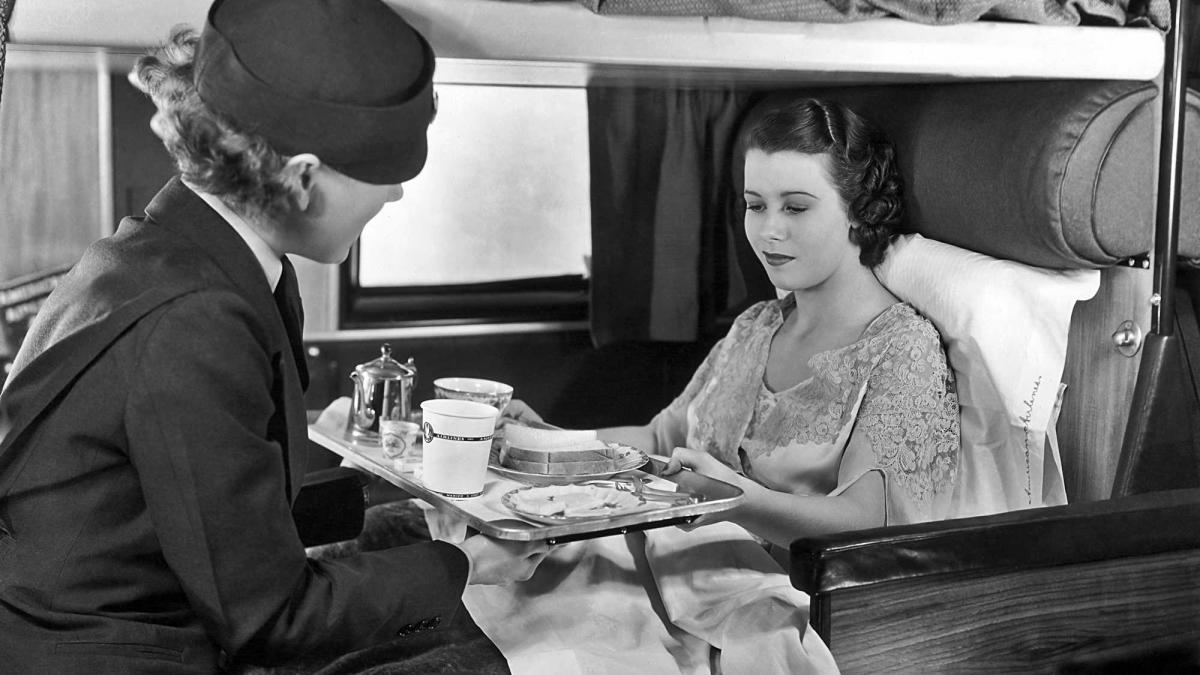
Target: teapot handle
{"points": [[361, 412], [412, 366]]}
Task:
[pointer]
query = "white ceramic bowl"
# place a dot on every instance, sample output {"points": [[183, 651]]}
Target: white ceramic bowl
{"points": [[495, 394]]}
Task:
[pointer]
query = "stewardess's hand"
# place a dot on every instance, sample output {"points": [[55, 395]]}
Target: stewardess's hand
{"points": [[496, 562]]}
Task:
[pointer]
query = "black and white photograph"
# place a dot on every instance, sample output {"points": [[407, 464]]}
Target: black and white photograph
{"points": [[599, 337]]}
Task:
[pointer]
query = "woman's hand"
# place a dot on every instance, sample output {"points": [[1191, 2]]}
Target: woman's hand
{"points": [[496, 562], [518, 412], [707, 465], [702, 463]]}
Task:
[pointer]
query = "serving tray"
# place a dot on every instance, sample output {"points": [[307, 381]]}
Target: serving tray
{"points": [[488, 514]]}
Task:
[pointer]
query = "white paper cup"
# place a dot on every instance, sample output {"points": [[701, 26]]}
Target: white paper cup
{"points": [[457, 441]]}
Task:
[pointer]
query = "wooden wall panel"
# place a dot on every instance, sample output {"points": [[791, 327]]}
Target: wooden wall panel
{"points": [[49, 168], [1100, 382]]}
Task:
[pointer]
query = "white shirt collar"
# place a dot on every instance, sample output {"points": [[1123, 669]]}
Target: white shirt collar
{"points": [[272, 265]]}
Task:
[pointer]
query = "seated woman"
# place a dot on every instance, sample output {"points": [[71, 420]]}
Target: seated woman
{"points": [[833, 408]]}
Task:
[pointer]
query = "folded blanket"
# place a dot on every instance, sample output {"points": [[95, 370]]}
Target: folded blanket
{"points": [[1061, 12]]}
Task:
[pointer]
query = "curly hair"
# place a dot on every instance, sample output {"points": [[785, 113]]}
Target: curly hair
{"points": [[862, 164], [210, 151]]}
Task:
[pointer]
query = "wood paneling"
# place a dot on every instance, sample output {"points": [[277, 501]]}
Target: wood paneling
{"points": [[49, 168], [1019, 622], [1100, 382]]}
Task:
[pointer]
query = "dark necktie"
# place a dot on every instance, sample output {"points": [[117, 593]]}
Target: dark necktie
{"points": [[287, 297]]}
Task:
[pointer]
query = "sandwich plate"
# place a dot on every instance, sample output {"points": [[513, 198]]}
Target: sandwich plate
{"points": [[556, 504], [627, 459]]}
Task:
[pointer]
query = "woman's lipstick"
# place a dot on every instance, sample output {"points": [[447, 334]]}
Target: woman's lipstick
{"points": [[777, 259]]}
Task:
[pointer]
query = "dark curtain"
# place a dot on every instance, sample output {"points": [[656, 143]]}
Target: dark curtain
{"points": [[665, 218]]}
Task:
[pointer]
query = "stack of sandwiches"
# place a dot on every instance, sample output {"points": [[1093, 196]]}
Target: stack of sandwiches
{"points": [[557, 452]]}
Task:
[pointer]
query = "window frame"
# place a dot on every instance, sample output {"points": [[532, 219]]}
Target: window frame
{"points": [[538, 299], [559, 298]]}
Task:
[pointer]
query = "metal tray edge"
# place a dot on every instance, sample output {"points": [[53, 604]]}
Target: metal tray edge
{"points": [[529, 531]]}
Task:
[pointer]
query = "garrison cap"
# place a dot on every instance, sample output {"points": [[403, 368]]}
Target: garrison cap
{"points": [[347, 80]]}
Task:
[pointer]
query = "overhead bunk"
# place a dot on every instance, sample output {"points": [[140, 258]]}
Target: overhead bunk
{"points": [[568, 35], [862, 51]]}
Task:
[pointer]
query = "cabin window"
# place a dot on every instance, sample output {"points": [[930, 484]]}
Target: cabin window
{"points": [[497, 227]]}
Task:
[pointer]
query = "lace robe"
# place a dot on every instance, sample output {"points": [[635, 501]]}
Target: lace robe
{"points": [[893, 385]]}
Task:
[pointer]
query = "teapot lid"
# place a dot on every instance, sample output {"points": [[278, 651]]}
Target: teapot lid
{"points": [[387, 368]]}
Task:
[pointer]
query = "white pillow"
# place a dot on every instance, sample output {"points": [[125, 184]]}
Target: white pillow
{"points": [[1005, 325]]}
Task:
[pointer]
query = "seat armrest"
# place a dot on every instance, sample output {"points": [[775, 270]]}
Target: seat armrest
{"points": [[330, 505], [1144, 524]]}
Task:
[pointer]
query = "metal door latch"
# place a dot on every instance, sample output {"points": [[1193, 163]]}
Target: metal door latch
{"points": [[1128, 338]]}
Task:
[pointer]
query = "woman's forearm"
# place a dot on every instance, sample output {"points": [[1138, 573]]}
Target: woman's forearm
{"points": [[781, 517]]}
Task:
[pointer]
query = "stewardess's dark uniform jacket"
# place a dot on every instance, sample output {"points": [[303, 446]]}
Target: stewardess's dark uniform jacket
{"points": [[145, 488]]}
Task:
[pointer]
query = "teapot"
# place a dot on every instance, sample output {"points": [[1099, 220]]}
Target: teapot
{"points": [[382, 390]]}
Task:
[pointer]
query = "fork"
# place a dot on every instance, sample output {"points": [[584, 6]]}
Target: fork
{"points": [[634, 485]]}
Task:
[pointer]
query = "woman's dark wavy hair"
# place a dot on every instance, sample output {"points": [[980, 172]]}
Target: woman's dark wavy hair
{"points": [[862, 164], [210, 151]]}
